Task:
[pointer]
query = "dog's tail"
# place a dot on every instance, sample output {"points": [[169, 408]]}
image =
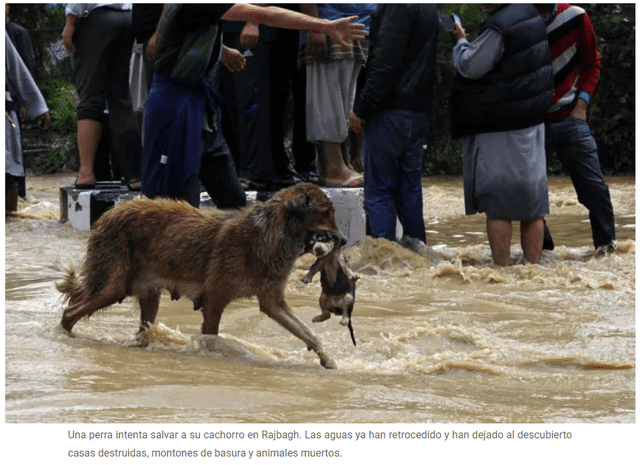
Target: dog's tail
{"points": [[69, 286]]}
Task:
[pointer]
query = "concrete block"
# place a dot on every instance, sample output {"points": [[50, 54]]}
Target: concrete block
{"points": [[82, 207], [350, 217]]}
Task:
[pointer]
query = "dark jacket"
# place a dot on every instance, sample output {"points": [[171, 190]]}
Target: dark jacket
{"points": [[516, 93], [185, 27], [400, 70]]}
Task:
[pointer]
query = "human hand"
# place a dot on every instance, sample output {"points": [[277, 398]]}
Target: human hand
{"points": [[580, 110], [458, 32], [152, 46], [24, 115], [45, 120], [249, 36], [343, 31], [355, 123], [232, 59]]}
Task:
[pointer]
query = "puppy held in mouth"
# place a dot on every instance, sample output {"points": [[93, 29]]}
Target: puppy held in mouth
{"points": [[336, 277]]}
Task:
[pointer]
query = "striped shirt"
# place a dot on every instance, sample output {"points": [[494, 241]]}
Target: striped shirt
{"points": [[576, 63]]}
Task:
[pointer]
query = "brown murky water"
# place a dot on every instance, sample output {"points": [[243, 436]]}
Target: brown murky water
{"points": [[454, 341]]}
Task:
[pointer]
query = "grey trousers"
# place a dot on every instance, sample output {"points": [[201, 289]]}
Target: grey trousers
{"points": [[103, 42]]}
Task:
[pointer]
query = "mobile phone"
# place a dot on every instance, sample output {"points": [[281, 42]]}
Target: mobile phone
{"points": [[447, 21]]}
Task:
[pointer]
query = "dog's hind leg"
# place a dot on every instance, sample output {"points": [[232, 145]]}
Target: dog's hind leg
{"points": [[72, 314], [278, 310], [148, 311], [212, 308]]}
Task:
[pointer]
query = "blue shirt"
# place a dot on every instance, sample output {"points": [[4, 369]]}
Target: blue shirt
{"points": [[83, 9]]}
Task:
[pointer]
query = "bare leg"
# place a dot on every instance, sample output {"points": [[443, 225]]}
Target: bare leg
{"points": [[332, 167], [531, 238], [89, 134], [499, 232], [11, 200]]}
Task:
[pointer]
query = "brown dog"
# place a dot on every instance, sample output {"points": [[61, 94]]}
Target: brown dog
{"points": [[336, 277], [143, 246]]}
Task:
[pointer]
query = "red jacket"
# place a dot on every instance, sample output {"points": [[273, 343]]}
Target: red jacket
{"points": [[576, 63]]}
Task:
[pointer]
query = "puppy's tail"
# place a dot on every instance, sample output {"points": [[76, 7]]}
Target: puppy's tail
{"points": [[349, 325], [69, 286]]}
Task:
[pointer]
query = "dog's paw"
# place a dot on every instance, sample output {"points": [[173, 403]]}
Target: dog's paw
{"points": [[140, 340], [306, 280], [328, 363]]}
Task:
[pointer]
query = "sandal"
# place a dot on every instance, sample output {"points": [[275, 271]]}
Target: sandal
{"points": [[134, 185], [310, 176], [355, 181]]}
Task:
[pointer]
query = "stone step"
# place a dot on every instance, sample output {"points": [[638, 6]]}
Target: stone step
{"points": [[82, 207]]}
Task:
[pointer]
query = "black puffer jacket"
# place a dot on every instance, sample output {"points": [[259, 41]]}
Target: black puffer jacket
{"points": [[400, 70], [517, 92]]}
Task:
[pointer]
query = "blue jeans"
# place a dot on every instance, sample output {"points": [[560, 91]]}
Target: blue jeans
{"points": [[578, 153], [393, 142]]}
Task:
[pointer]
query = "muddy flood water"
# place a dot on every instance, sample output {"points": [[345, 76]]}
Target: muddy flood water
{"points": [[454, 340]]}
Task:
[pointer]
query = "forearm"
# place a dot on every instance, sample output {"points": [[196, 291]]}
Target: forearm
{"points": [[164, 9], [71, 20], [276, 17]]}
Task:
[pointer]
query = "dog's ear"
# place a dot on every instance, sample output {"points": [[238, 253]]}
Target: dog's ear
{"points": [[338, 237], [297, 207]]}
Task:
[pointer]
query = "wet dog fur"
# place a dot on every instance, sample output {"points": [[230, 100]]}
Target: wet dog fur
{"points": [[143, 246], [336, 277]]}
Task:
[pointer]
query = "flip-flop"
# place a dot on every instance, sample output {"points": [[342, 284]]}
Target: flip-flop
{"points": [[310, 176], [355, 181], [134, 185]]}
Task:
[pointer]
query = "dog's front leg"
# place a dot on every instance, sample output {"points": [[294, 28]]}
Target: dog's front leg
{"points": [[276, 308]]}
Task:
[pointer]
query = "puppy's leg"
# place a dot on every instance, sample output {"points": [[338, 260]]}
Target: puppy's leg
{"points": [[274, 305], [148, 311], [312, 271], [322, 317], [326, 314]]}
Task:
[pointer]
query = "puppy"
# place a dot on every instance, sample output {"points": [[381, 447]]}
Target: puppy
{"points": [[143, 246], [337, 279]]}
